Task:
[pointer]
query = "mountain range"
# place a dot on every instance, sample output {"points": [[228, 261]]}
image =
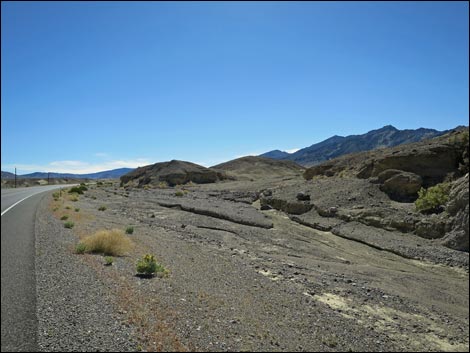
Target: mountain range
{"points": [[387, 136], [107, 174]]}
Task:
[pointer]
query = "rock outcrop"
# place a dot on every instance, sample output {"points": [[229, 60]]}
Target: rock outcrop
{"points": [[402, 170], [458, 235]]}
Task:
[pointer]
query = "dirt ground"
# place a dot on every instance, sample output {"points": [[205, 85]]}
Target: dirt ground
{"points": [[242, 279]]}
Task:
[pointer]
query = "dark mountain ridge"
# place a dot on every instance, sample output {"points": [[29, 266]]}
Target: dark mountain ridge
{"points": [[335, 146]]}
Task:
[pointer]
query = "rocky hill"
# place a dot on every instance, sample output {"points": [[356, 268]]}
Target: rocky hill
{"points": [[252, 167], [172, 173], [336, 146]]}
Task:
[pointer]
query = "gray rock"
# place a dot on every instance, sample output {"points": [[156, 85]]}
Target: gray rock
{"points": [[401, 186], [458, 236], [302, 196]]}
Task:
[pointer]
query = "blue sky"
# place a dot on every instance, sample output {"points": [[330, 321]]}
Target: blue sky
{"points": [[102, 85]]}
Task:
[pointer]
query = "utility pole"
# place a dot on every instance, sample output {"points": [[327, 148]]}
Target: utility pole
{"points": [[15, 177], [48, 177]]}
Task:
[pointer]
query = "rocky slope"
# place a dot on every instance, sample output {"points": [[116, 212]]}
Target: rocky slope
{"points": [[336, 146], [252, 167]]}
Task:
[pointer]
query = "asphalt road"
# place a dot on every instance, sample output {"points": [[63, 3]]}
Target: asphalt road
{"points": [[19, 321]]}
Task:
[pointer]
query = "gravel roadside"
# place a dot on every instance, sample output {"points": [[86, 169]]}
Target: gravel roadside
{"points": [[75, 311]]}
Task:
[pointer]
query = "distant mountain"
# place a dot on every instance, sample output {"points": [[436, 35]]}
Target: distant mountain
{"points": [[276, 154], [336, 146], [107, 174], [8, 175]]}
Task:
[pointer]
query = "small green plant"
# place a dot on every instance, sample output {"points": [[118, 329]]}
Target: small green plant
{"points": [[68, 207], [108, 260], [102, 208], [69, 224], [74, 198], [129, 230], [77, 210], [100, 183], [56, 195], [148, 266], [179, 193], [80, 248], [64, 218], [430, 200], [55, 208]]}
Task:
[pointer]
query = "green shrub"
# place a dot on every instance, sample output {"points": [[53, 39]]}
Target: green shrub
{"points": [[102, 208], [69, 224], [430, 200], [80, 248], [179, 193], [64, 217], [68, 207], [129, 230], [77, 190], [77, 209], [149, 266], [108, 260], [56, 195]]}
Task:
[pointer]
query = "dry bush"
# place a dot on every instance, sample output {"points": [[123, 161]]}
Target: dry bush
{"points": [[108, 242]]}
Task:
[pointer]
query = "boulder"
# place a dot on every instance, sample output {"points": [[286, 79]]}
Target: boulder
{"points": [[302, 196], [401, 186]]}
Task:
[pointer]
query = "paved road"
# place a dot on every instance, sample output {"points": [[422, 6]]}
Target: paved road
{"points": [[19, 322]]}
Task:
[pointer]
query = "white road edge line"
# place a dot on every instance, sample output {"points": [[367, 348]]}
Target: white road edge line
{"points": [[16, 203]]}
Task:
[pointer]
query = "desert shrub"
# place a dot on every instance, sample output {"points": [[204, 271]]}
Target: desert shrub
{"points": [[77, 190], [64, 218], [147, 265], [179, 193], [99, 183], [108, 242], [430, 200], [55, 208], [69, 224], [108, 260], [74, 198], [80, 248], [102, 208], [77, 210], [162, 185], [56, 195], [129, 230], [68, 207]]}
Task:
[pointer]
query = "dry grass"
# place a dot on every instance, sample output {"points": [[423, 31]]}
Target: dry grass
{"points": [[109, 242]]}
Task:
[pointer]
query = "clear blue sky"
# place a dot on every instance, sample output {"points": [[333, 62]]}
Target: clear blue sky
{"points": [[93, 86]]}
